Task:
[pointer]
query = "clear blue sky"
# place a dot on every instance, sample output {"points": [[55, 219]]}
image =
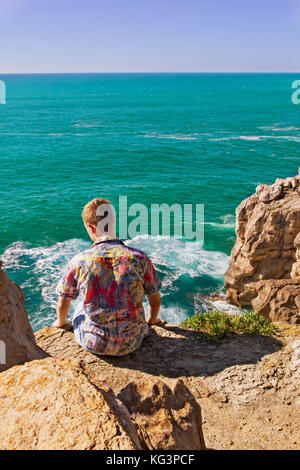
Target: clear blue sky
{"points": [[149, 36]]}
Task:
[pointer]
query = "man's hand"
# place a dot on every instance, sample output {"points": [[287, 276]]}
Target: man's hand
{"points": [[154, 306], [62, 310]]}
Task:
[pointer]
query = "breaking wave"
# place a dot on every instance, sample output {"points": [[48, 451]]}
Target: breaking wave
{"points": [[184, 268]]}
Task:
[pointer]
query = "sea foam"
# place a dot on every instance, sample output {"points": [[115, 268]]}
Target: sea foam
{"points": [[184, 268]]}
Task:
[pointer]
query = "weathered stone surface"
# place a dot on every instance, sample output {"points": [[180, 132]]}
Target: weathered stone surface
{"points": [[51, 404], [17, 344], [270, 194], [166, 419], [267, 249], [168, 353], [247, 383], [278, 300], [171, 353], [38, 401], [295, 272], [260, 188], [232, 382]]}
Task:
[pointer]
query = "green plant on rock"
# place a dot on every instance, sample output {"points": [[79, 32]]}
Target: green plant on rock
{"points": [[215, 326]]}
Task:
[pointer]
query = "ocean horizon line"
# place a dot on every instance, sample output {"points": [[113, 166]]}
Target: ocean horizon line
{"points": [[148, 73]]}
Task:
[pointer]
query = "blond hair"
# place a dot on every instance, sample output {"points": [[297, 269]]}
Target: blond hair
{"points": [[89, 212]]}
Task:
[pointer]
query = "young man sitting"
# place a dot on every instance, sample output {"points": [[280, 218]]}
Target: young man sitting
{"points": [[113, 278]]}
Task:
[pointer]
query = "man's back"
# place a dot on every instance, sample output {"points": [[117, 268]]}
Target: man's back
{"points": [[113, 278]]}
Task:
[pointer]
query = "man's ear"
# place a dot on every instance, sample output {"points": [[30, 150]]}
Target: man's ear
{"points": [[92, 227]]}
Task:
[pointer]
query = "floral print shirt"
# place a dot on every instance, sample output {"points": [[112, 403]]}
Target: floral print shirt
{"points": [[113, 278]]}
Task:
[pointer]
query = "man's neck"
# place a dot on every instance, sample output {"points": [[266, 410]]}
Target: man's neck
{"points": [[105, 236]]}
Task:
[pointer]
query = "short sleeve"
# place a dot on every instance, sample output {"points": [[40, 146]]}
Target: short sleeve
{"points": [[68, 285], [152, 282]]}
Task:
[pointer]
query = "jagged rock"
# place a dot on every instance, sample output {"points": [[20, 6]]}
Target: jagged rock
{"points": [[166, 419], [295, 272], [262, 187], [265, 250], [45, 416], [292, 182], [278, 300], [230, 382], [279, 182], [54, 404], [64, 403], [51, 405], [17, 344], [295, 182], [274, 192], [168, 354]]}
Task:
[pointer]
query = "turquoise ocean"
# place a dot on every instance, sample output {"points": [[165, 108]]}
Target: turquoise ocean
{"points": [[155, 138]]}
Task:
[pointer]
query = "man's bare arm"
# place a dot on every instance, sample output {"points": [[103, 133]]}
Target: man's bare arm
{"points": [[62, 310], [154, 306]]}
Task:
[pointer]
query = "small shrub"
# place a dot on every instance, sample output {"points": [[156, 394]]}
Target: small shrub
{"points": [[215, 326]]}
